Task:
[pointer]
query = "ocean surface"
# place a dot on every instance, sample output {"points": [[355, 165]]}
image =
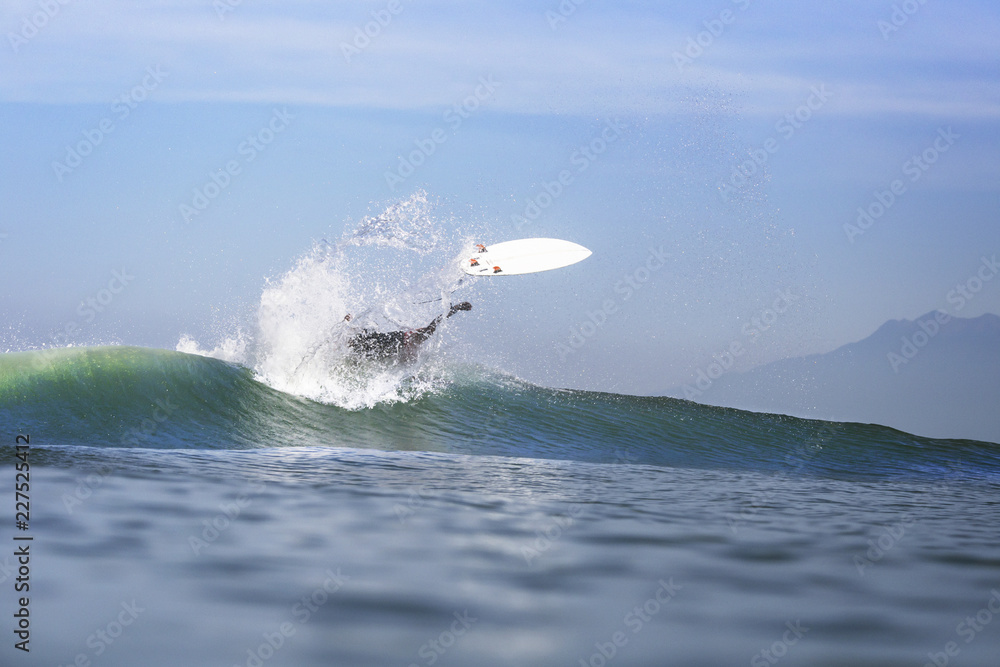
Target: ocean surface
{"points": [[191, 510]]}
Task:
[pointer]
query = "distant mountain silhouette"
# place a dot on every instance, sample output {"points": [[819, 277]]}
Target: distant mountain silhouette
{"points": [[921, 376]]}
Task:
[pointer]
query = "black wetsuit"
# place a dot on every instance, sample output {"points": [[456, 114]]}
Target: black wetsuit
{"points": [[376, 345]]}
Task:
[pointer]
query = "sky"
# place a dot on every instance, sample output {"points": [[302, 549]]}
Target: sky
{"points": [[820, 168]]}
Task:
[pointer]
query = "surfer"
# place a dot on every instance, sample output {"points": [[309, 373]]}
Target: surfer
{"points": [[377, 345]]}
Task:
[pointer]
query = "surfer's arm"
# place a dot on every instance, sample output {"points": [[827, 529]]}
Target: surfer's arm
{"points": [[420, 335]]}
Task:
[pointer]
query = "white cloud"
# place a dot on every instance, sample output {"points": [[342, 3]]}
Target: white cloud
{"points": [[601, 61]]}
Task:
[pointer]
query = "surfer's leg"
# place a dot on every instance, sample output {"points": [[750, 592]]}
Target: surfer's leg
{"points": [[465, 305], [418, 336]]}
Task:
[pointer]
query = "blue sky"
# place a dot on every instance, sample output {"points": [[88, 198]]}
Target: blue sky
{"points": [[196, 81]]}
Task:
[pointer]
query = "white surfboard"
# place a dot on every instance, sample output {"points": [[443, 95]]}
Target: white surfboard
{"points": [[512, 258]]}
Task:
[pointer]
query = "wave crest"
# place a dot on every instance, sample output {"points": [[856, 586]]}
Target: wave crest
{"points": [[299, 340]]}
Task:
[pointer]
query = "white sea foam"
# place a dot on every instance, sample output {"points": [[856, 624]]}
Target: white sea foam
{"points": [[379, 274]]}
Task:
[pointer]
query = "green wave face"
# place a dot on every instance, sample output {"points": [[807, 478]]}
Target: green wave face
{"points": [[145, 398], [137, 397]]}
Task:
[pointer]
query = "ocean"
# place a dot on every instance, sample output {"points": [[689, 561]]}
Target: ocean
{"points": [[191, 510], [269, 498]]}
